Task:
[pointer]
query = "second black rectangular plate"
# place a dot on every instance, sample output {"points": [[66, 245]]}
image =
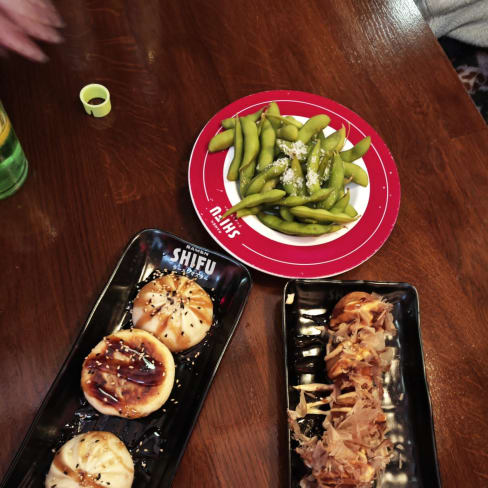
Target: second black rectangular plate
{"points": [[156, 442], [406, 397]]}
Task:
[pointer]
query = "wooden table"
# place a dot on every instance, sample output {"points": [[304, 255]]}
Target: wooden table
{"points": [[93, 183]]}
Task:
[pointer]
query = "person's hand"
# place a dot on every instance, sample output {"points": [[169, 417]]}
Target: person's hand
{"points": [[21, 20]]}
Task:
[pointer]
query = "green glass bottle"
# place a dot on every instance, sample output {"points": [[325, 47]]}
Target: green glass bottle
{"points": [[13, 163]]}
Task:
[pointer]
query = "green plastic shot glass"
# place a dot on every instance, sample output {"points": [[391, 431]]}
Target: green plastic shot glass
{"points": [[13, 163]]}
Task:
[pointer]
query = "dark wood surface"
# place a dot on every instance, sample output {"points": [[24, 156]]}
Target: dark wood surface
{"points": [[94, 183]]}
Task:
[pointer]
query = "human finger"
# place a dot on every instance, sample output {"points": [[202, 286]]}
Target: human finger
{"points": [[11, 37], [39, 11], [35, 29]]}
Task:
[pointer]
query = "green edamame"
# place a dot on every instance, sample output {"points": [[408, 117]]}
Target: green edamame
{"points": [[273, 109], [255, 200], [293, 201], [297, 169], [288, 133], [336, 182], [356, 152], [233, 173], [286, 215], [293, 121], [248, 211], [357, 173], [306, 221], [273, 171], [320, 215], [342, 139], [292, 179], [333, 141], [342, 203], [313, 161], [295, 149], [294, 228], [351, 211], [222, 140], [270, 185], [284, 120], [231, 121], [268, 139], [324, 167], [329, 202], [336, 179], [312, 126], [251, 149]]}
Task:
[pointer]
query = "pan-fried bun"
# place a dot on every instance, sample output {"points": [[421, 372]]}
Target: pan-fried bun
{"points": [[128, 374], [93, 459], [177, 310]]}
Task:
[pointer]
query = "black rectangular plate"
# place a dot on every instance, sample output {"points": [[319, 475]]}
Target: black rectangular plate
{"points": [[156, 442], [406, 398]]}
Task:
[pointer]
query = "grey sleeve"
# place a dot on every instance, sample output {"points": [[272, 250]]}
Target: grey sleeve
{"points": [[464, 20]]}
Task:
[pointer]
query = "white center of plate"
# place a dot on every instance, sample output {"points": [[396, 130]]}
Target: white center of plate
{"points": [[359, 200]]}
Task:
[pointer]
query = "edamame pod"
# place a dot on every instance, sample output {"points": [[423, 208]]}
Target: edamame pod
{"points": [[286, 215], [273, 109], [294, 121], [356, 152], [324, 168], [293, 201], [233, 173], [251, 149], [273, 171], [231, 121], [270, 185], [313, 161], [342, 139], [312, 126], [268, 139], [308, 221], [295, 149], [294, 228], [292, 179], [288, 133], [259, 127], [336, 179], [329, 202], [255, 200], [320, 215], [331, 142], [248, 211], [284, 120], [222, 140], [251, 142], [350, 210], [342, 203], [357, 173], [297, 169]]}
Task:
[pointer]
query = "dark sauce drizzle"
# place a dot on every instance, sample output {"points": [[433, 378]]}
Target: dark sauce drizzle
{"points": [[137, 367]]}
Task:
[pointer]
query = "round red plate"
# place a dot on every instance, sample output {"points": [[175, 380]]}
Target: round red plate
{"points": [[291, 256]]}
